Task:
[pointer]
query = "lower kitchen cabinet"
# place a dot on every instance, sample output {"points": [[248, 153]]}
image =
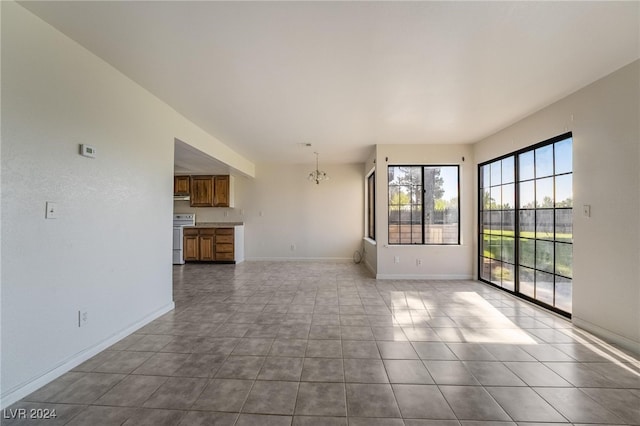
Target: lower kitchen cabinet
{"points": [[206, 244], [209, 245], [191, 248], [224, 244]]}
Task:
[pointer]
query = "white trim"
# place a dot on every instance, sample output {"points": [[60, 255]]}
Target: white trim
{"points": [[366, 202], [20, 391], [369, 267], [422, 277], [302, 259], [422, 246], [607, 335]]}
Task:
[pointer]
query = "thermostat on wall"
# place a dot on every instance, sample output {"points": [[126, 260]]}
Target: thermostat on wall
{"points": [[87, 151]]}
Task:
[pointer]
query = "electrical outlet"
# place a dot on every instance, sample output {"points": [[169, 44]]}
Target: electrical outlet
{"points": [[83, 317], [586, 210], [226, 213], [396, 259], [418, 262], [293, 247]]}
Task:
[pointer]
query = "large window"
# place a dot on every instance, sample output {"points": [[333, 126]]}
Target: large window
{"points": [[525, 222], [423, 205]]}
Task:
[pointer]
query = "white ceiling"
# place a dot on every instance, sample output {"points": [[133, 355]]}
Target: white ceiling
{"points": [[264, 77], [189, 160]]}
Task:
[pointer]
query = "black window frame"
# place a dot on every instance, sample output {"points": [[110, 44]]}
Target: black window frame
{"points": [[517, 209], [371, 206], [422, 205]]}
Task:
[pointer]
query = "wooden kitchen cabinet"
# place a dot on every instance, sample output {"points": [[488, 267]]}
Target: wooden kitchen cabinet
{"points": [[181, 185], [221, 191], [201, 191], [210, 191], [224, 244], [206, 244], [191, 245], [209, 244]]}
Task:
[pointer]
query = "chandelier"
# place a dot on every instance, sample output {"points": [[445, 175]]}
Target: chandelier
{"points": [[317, 175]]}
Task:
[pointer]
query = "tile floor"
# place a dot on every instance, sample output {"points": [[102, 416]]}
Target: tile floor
{"points": [[306, 343]]}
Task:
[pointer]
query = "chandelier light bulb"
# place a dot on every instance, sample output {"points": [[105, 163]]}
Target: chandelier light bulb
{"points": [[318, 175]]}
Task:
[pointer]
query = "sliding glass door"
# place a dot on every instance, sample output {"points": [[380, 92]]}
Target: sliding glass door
{"points": [[525, 223]]}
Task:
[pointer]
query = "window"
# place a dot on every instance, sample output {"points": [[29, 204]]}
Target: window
{"points": [[423, 205], [525, 222], [371, 206], [497, 222]]}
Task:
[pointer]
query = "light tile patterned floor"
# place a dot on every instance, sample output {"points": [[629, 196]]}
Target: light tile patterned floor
{"points": [[310, 343]]}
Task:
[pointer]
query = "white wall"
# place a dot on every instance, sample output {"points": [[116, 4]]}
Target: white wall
{"points": [[370, 255], [104, 253], [281, 208], [438, 262], [606, 156]]}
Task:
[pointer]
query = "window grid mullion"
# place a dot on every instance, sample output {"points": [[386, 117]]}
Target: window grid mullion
{"points": [[516, 231], [536, 213]]}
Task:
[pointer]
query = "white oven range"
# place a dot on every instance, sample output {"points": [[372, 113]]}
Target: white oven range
{"points": [[180, 220]]}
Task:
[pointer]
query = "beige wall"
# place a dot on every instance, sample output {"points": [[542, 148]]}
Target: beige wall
{"points": [[606, 153], [281, 208], [438, 262], [284, 208]]}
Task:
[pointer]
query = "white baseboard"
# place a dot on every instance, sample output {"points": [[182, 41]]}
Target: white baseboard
{"points": [[302, 259], [369, 267], [20, 391], [422, 277], [607, 335]]}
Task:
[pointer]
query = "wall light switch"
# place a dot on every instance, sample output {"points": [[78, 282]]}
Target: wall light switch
{"points": [[586, 210], [52, 210], [83, 317]]}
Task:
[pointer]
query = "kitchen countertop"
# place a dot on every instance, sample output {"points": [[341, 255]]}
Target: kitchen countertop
{"points": [[216, 225]]}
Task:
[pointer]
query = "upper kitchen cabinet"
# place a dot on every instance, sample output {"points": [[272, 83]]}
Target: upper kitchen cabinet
{"points": [[181, 185], [202, 191], [221, 191], [211, 191]]}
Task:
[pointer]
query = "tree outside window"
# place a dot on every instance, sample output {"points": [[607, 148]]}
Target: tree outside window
{"points": [[423, 205]]}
